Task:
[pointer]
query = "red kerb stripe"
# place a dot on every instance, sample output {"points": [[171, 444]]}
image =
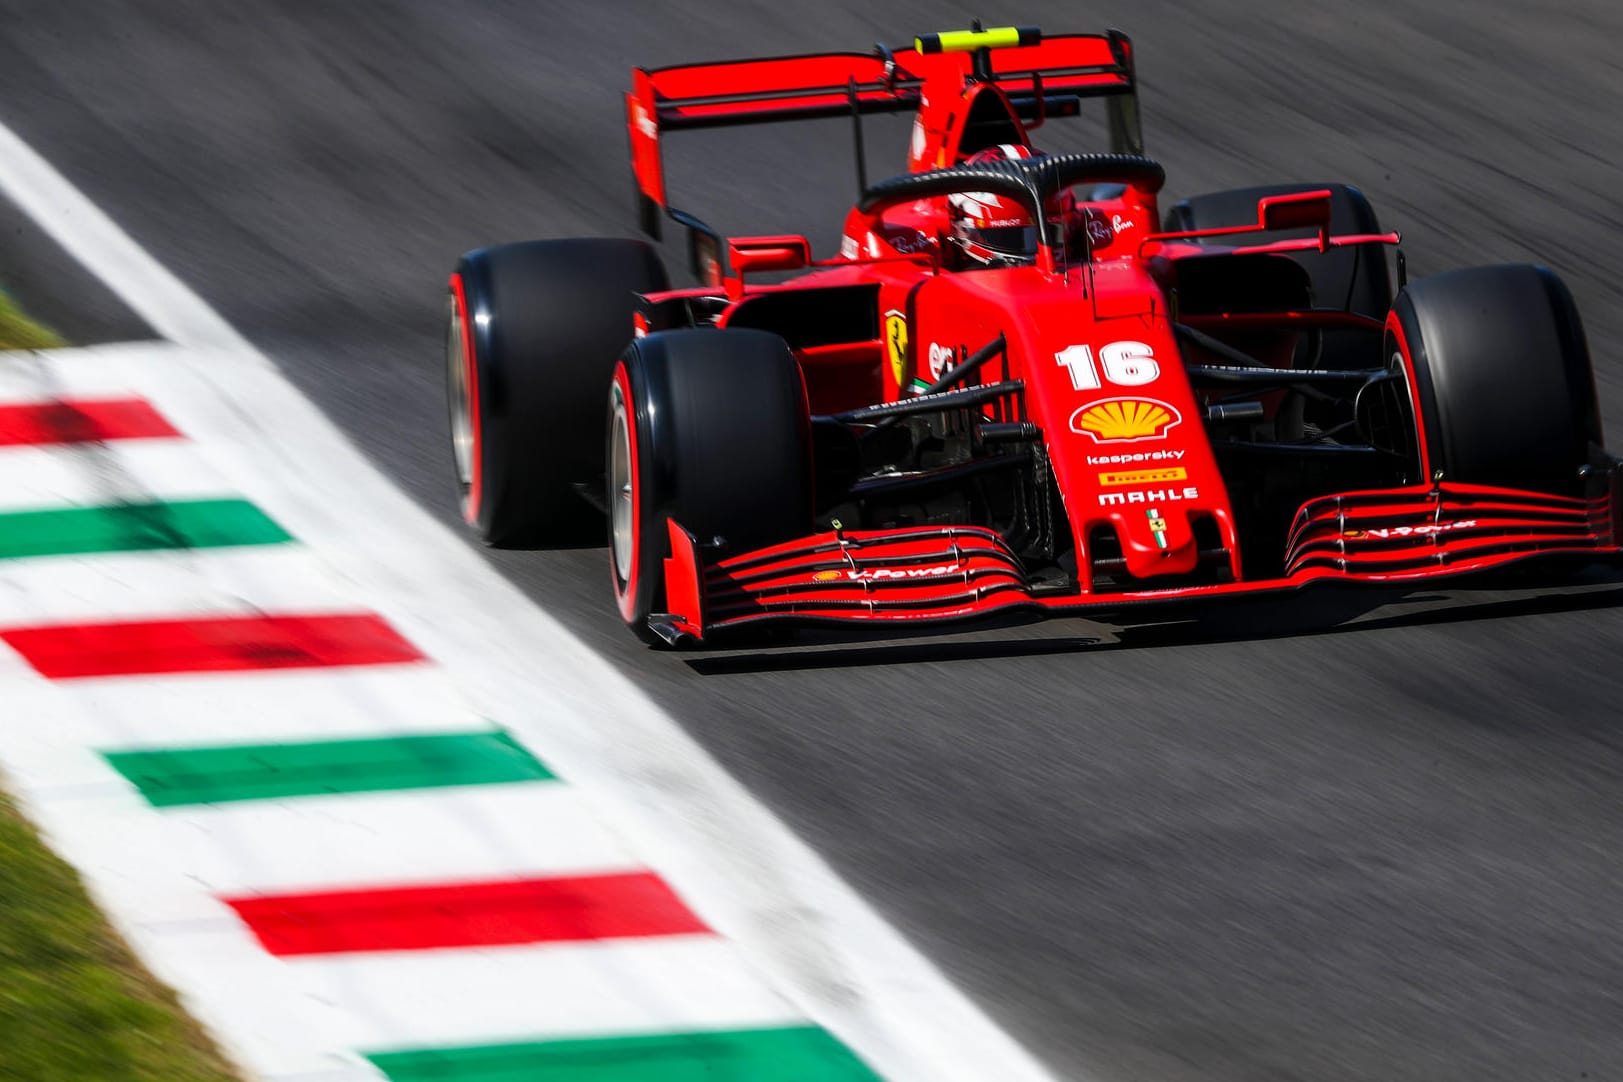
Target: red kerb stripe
{"points": [[634, 904], [82, 421], [210, 644]]}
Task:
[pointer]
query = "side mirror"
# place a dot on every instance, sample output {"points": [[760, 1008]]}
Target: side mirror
{"points": [[704, 249], [784, 253], [1298, 210], [704, 257]]}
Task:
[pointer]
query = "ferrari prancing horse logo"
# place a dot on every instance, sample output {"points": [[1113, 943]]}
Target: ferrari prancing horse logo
{"points": [[896, 344]]}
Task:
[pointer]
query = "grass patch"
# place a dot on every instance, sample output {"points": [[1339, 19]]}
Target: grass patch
{"points": [[74, 1002], [17, 331]]}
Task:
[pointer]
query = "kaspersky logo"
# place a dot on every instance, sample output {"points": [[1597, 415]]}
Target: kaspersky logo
{"points": [[1120, 419]]}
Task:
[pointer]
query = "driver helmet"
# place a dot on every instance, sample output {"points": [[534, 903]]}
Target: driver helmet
{"points": [[993, 230]]}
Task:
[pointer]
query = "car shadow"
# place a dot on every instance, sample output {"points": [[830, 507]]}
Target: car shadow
{"points": [[1328, 611]]}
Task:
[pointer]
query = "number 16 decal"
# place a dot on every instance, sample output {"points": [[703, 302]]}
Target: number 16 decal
{"points": [[1126, 364]]}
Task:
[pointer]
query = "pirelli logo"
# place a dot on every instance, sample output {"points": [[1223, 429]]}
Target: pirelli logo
{"points": [[1143, 477]]}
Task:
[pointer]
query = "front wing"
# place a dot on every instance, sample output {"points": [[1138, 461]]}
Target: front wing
{"points": [[943, 573]]}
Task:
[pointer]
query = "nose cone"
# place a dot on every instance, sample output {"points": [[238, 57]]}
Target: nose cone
{"points": [[1157, 540]]}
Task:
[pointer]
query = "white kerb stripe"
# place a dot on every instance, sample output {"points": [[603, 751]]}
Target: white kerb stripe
{"points": [[403, 838], [84, 372], [247, 581], [44, 478], [274, 1028], [193, 709], [404, 998]]}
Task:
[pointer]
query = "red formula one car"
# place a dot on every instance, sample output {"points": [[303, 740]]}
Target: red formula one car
{"points": [[1020, 384]]}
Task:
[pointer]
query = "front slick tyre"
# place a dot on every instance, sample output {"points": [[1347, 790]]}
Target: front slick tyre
{"points": [[1500, 376], [708, 428], [531, 336]]}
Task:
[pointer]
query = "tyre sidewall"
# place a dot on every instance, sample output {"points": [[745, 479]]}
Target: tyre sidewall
{"points": [[1500, 377], [721, 444], [638, 585], [543, 322]]}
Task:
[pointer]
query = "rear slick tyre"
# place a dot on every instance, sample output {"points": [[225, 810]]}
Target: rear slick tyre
{"points": [[1350, 278], [708, 428], [1354, 279]]}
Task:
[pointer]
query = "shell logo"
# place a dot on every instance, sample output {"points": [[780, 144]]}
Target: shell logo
{"points": [[825, 576], [1117, 419]]}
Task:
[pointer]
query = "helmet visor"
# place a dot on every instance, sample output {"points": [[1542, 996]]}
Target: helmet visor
{"points": [[1009, 240]]}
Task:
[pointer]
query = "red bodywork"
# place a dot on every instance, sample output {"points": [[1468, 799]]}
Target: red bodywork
{"points": [[1092, 341]]}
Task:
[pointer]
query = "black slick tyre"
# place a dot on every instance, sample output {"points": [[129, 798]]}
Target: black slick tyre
{"points": [[709, 428], [532, 332], [1500, 377]]}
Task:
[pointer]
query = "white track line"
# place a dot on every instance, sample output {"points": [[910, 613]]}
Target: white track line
{"points": [[93, 238], [735, 862]]}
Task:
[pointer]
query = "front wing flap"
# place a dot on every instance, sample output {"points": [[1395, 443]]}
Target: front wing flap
{"points": [[943, 573], [1414, 532], [924, 573]]}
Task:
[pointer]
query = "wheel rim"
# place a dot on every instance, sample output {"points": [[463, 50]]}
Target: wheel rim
{"points": [[1417, 464], [456, 382], [622, 491]]}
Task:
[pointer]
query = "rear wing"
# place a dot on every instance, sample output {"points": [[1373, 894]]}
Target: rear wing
{"points": [[1042, 76], [1053, 75], [749, 92]]}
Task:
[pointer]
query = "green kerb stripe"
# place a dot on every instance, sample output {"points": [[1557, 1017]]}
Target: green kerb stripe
{"points": [[136, 527], [265, 771], [796, 1054]]}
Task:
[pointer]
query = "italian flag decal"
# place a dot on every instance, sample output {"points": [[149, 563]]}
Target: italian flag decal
{"points": [[345, 829]]}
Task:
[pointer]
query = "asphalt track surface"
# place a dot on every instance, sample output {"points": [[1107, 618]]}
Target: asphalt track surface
{"points": [[1341, 836]]}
